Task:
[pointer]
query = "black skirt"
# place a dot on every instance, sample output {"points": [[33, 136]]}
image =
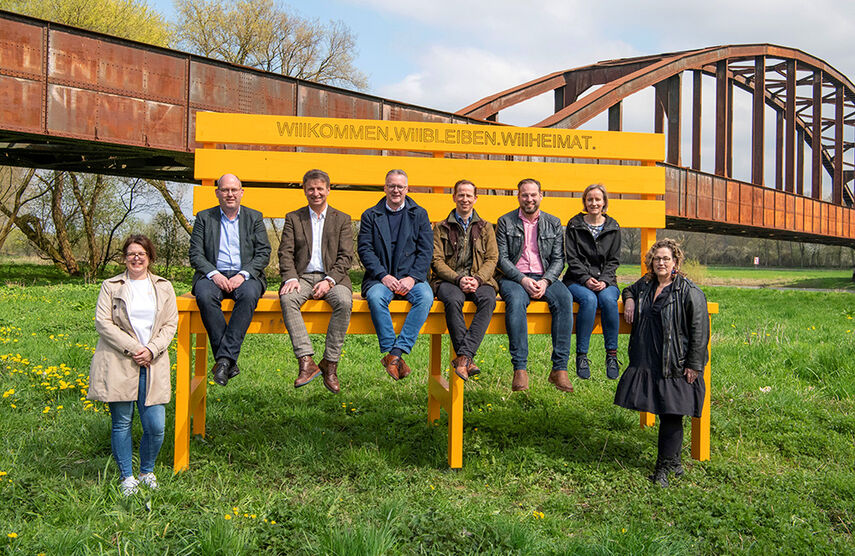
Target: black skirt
{"points": [[642, 386]]}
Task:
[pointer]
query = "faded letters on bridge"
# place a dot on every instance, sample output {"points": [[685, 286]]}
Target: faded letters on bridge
{"points": [[400, 135]]}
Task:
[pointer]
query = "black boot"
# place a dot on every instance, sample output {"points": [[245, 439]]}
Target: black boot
{"points": [[676, 466], [660, 473]]}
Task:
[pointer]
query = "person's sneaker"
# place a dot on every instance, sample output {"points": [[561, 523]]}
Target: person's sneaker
{"points": [[129, 485], [583, 367], [149, 480], [612, 366]]}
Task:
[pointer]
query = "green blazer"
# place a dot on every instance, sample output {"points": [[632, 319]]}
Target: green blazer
{"points": [[205, 243]]}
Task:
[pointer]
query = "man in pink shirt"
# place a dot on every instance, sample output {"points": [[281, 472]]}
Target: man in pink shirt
{"points": [[531, 258]]}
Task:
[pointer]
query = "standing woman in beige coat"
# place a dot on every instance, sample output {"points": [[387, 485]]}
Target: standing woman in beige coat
{"points": [[136, 318]]}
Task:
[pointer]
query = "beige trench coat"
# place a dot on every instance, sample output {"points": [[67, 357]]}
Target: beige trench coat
{"points": [[113, 375]]}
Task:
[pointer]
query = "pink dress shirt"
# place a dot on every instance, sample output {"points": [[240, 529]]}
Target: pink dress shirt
{"points": [[530, 262]]}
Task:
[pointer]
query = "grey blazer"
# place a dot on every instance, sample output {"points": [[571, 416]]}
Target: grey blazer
{"points": [[205, 243]]}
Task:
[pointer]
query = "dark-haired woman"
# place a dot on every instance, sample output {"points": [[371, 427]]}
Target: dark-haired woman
{"points": [[667, 351], [136, 318], [592, 247]]}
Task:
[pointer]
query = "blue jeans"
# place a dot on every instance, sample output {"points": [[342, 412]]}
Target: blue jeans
{"points": [[153, 419], [588, 301], [379, 297], [560, 305]]}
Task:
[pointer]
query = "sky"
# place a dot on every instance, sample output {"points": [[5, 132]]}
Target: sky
{"points": [[447, 54]]}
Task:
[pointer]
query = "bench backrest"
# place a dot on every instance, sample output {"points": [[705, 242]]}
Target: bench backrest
{"points": [[268, 151]]}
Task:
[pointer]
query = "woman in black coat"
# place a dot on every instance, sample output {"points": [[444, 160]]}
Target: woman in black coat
{"points": [[667, 351], [592, 248]]}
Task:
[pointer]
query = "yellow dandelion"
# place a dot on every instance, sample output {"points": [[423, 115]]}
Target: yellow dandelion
{"points": [[3, 473], [227, 516], [252, 516], [272, 522], [235, 510], [12, 535], [46, 409]]}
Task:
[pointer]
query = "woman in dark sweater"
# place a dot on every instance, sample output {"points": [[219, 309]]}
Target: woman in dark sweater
{"points": [[592, 247], [667, 351]]}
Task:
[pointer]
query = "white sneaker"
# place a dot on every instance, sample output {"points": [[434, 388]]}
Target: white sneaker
{"points": [[149, 480], [129, 486]]}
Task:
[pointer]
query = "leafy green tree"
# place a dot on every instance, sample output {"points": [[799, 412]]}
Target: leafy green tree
{"points": [[265, 35], [128, 19]]}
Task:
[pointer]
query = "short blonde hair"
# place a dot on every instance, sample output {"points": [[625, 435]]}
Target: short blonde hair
{"points": [[602, 189]]}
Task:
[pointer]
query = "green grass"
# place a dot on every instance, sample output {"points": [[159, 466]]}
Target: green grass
{"points": [[362, 473]]}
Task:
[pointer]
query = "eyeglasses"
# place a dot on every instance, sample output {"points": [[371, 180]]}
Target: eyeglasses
{"points": [[662, 259], [141, 255], [393, 187], [227, 192]]}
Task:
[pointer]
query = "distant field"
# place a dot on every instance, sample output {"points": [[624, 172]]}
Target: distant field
{"points": [[819, 278], [285, 471]]}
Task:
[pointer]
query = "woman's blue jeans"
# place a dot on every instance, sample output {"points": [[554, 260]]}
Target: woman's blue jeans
{"points": [[588, 301], [153, 419]]}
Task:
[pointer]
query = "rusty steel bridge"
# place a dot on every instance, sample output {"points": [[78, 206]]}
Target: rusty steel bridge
{"points": [[81, 101]]}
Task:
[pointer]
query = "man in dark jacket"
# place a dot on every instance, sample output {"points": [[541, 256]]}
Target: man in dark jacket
{"points": [[464, 260], [531, 257], [229, 251], [314, 256], [395, 244]]}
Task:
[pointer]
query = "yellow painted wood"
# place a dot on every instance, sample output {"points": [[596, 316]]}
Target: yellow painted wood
{"points": [[199, 407], [455, 422], [701, 425], [297, 131], [348, 169], [437, 387], [181, 454], [441, 392], [276, 203]]}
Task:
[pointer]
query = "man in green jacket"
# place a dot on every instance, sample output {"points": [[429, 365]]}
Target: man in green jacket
{"points": [[464, 260]]}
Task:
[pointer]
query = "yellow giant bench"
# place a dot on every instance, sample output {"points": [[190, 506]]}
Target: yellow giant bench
{"points": [[269, 151]]}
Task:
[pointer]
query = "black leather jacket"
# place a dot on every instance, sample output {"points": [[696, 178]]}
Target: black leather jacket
{"points": [[685, 324], [550, 244], [588, 257]]}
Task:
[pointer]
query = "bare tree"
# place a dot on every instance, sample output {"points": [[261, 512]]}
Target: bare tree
{"points": [[263, 34]]}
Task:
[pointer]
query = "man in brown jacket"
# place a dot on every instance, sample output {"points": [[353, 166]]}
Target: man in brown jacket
{"points": [[314, 256], [464, 259]]}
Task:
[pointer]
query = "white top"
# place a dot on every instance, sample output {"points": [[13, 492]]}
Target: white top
{"points": [[316, 262], [142, 308]]}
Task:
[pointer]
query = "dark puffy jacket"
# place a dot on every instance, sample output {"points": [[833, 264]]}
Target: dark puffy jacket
{"points": [[588, 257], [550, 243], [685, 324]]}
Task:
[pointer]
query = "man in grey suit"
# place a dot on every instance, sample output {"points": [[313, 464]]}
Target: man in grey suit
{"points": [[314, 256], [229, 250]]}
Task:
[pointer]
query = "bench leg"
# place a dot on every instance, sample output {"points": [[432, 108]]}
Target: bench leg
{"points": [[647, 419], [701, 426], [455, 422], [435, 370], [181, 458], [200, 382]]}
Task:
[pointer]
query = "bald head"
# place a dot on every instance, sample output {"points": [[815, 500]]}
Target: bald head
{"points": [[229, 193]]}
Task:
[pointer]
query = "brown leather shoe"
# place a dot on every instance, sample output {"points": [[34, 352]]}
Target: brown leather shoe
{"points": [[561, 380], [328, 369], [308, 371], [461, 366], [472, 369], [392, 364], [404, 370], [520, 382]]}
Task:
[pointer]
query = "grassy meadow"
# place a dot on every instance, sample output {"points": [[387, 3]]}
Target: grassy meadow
{"points": [[287, 471]]}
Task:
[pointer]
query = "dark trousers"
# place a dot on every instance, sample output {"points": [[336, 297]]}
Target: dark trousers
{"points": [[226, 339], [670, 435], [466, 341]]}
